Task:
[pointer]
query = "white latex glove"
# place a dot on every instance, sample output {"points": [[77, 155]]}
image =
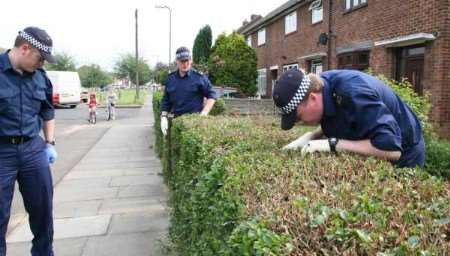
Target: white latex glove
{"points": [[203, 114], [300, 142], [316, 146], [164, 125]]}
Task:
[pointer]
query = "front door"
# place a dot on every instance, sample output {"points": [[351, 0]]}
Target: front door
{"points": [[274, 77], [410, 65]]}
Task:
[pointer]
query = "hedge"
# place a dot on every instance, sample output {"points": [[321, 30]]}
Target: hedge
{"points": [[234, 192]]}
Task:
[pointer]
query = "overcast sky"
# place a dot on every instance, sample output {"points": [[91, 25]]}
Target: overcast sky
{"points": [[95, 31]]}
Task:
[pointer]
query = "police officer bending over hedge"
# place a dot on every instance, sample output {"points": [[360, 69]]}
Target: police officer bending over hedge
{"points": [[184, 91], [26, 108], [357, 113]]}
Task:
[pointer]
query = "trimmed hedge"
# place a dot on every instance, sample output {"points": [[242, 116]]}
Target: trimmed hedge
{"points": [[233, 192]]}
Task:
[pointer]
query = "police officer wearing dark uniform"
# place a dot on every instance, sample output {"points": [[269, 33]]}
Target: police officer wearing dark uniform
{"points": [[185, 90], [357, 113], [26, 108]]}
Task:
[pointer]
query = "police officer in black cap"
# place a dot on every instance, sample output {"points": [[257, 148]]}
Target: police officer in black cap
{"points": [[185, 90], [357, 113], [25, 109]]}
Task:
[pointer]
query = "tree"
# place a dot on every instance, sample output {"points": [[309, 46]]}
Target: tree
{"points": [[233, 63], [161, 72], [202, 45], [64, 62], [125, 67], [94, 76]]}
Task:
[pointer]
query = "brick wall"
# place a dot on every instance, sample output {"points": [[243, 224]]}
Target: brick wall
{"points": [[379, 20]]}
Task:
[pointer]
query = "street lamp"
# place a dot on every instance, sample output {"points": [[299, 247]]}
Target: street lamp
{"points": [[170, 29]]}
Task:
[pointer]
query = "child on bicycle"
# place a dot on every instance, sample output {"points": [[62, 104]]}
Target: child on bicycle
{"points": [[92, 105]]}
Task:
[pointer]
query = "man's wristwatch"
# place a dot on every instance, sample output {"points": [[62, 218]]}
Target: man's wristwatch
{"points": [[333, 142], [51, 142]]}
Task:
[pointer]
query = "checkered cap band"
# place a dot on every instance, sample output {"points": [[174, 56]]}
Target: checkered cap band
{"points": [[298, 97], [183, 55], [34, 42]]}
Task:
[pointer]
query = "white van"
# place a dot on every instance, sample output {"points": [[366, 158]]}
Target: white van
{"points": [[66, 88]]}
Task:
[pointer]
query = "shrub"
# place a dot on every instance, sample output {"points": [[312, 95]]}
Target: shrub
{"points": [[233, 192]]}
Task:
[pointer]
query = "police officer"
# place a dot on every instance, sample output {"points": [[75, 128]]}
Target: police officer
{"points": [[26, 108], [357, 113], [185, 90]]}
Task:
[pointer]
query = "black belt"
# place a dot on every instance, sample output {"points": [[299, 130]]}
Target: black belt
{"points": [[15, 140]]}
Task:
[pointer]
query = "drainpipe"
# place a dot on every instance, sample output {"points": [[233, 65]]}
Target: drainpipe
{"points": [[330, 33]]}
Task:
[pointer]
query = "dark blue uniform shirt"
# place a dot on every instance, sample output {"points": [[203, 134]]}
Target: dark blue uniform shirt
{"points": [[184, 95], [25, 100], [358, 106]]}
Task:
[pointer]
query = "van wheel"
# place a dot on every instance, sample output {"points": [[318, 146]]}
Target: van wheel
{"points": [[73, 106]]}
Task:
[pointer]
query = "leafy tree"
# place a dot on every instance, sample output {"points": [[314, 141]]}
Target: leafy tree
{"points": [[233, 63], [93, 76], [125, 67], [64, 62], [202, 45], [161, 72]]}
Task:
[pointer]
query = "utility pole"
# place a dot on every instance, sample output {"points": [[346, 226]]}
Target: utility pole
{"points": [[137, 59], [170, 31]]}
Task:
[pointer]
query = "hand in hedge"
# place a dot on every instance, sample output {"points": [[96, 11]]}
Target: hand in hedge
{"points": [[203, 113], [300, 142], [164, 125], [316, 146]]}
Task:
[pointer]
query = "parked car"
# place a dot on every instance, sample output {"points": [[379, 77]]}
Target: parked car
{"points": [[84, 95], [66, 88]]}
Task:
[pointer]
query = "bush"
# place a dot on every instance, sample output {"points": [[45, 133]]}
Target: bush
{"points": [[233, 192], [437, 154]]}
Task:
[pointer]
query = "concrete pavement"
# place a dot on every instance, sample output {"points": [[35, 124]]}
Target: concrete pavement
{"points": [[113, 202]]}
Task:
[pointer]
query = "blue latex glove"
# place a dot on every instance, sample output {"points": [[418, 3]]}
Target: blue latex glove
{"points": [[51, 153]]}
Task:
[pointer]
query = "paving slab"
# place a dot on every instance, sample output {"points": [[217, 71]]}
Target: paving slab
{"points": [[155, 221], [130, 205], [134, 244], [62, 247], [76, 209], [66, 228], [149, 191], [136, 180]]}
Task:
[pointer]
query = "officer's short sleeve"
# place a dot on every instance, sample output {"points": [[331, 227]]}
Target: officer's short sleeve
{"points": [[47, 110], [207, 89], [376, 121]]}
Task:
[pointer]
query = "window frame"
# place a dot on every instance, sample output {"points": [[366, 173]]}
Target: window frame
{"points": [[263, 30], [349, 5], [314, 9], [290, 20]]}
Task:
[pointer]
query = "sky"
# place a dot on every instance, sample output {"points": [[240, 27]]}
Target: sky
{"points": [[99, 32]]}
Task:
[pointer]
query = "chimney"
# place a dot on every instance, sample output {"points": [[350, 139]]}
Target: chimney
{"points": [[254, 17], [245, 23]]}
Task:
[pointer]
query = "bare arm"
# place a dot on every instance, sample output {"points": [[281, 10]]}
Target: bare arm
{"points": [[49, 130], [208, 106], [364, 147]]}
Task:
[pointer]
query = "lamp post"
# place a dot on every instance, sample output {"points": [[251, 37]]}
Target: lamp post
{"points": [[170, 30]]}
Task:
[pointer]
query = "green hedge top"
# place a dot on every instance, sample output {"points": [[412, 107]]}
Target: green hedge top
{"points": [[234, 192]]}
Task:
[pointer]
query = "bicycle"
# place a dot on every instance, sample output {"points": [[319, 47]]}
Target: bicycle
{"points": [[93, 116], [111, 112]]}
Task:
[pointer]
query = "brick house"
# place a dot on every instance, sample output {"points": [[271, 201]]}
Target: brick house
{"points": [[400, 39]]}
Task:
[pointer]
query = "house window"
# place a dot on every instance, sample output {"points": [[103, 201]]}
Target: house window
{"points": [[261, 37], [262, 81], [352, 4], [290, 23], [354, 60], [249, 40], [290, 66], [316, 9], [316, 66]]}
